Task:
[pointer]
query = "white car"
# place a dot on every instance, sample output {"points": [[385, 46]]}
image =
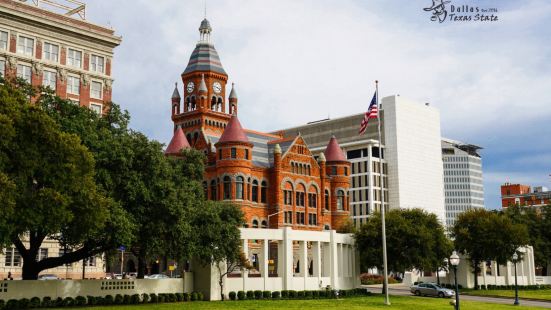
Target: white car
{"points": [[157, 276]]}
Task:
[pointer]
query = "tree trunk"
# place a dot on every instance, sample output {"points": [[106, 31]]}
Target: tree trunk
{"points": [[141, 265], [30, 270], [221, 282], [476, 264], [438, 276]]}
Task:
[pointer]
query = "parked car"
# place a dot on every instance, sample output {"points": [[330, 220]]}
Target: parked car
{"points": [[431, 289], [48, 277], [157, 276]]}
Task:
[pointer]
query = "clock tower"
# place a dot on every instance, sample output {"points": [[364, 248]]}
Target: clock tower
{"points": [[204, 108]]}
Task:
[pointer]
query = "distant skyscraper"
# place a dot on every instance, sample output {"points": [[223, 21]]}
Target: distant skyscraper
{"points": [[463, 185]]}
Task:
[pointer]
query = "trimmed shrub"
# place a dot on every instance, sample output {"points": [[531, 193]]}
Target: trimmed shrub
{"points": [[99, 300], [46, 302], [12, 304], [90, 300], [342, 293], [179, 297], [284, 294], [241, 295], [2, 304], [108, 300], [34, 303], [135, 299], [194, 296], [292, 294], [80, 301], [257, 294], [308, 294], [119, 299], [300, 294], [171, 297], [24, 303], [126, 299], [200, 296], [250, 295], [153, 298], [233, 295], [266, 294], [315, 294], [187, 297], [276, 295], [68, 302], [161, 298], [145, 298]]}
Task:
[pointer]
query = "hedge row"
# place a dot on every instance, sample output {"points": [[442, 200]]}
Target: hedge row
{"points": [[256, 295], [118, 299], [520, 287]]}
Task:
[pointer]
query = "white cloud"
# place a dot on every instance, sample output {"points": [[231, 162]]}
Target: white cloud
{"points": [[299, 61]]}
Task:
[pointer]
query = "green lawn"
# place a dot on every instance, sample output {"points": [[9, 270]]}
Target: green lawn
{"points": [[371, 302], [532, 294]]}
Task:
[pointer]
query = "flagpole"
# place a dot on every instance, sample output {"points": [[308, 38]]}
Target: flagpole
{"points": [[385, 268]]}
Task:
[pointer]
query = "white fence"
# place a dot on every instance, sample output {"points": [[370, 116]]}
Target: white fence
{"points": [[73, 288]]}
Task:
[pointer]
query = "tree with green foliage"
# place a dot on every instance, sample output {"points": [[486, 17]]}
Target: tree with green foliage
{"points": [[538, 223], [484, 235], [53, 191], [415, 240], [159, 193], [218, 241]]}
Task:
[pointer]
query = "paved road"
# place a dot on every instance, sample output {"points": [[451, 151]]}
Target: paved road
{"points": [[402, 290]]}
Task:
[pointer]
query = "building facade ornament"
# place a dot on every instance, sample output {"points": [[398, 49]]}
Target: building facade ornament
{"points": [[108, 84], [62, 74], [12, 62], [85, 79], [37, 68]]}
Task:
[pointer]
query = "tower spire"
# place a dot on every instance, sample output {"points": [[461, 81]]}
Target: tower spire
{"points": [[204, 30]]}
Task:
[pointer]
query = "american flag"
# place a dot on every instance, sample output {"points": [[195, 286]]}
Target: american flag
{"points": [[372, 112]]}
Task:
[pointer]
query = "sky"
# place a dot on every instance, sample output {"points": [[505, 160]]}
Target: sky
{"points": [[296, 61]]}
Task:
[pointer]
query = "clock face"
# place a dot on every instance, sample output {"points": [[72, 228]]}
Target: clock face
{"points": [[217, 87], [190, 87]]}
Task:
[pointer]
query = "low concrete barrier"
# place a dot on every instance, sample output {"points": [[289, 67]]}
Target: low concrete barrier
{"points": [[73, 288]]}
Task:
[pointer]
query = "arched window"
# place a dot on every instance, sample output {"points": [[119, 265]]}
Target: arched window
{"points": [[340, 199], [255, 223], [227, 187], [299, 195], [288, 194], [219, 104], [326, 227], [248, 193], [188, 104], [263, 192], [195, 137], [213, 104], [255, 191], [188, 136], [326, 200], [264, 224], [193, 106], [309, 172], [205, 189], [239, 188], [300, 168], [213, 190]]}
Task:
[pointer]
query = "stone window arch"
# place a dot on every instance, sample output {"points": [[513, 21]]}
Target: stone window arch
{"points": [[340, 199], [254, 194], [213, 103], [239, 182], [219, 104], [255, 223], [263, 192], [264, 224], [193, 104], [213, 190], [227, 187], [300, 195]]}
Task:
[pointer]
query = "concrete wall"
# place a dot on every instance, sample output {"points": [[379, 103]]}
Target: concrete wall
{"points": [[414, 155], [74, 288]]}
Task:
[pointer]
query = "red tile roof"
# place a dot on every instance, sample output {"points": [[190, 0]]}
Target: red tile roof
{"points": [[234, 132], [333, 152], [177, 143]]}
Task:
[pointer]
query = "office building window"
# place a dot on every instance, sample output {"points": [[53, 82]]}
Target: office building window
{"points": [[96, 90], [51, 52], [96, 108], [74, 58], [2, 67], [3, 40], [25, 46], [49, 79], [97, 63], [73, 85], [24, 72]]}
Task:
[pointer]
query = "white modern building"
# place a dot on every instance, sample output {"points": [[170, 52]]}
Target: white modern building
{"points": [[413, 147], [463, 185], [412, 156]]}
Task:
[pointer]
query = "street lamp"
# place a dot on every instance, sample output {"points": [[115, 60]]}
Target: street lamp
{"points": [[515, 259], [454, 261]]}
